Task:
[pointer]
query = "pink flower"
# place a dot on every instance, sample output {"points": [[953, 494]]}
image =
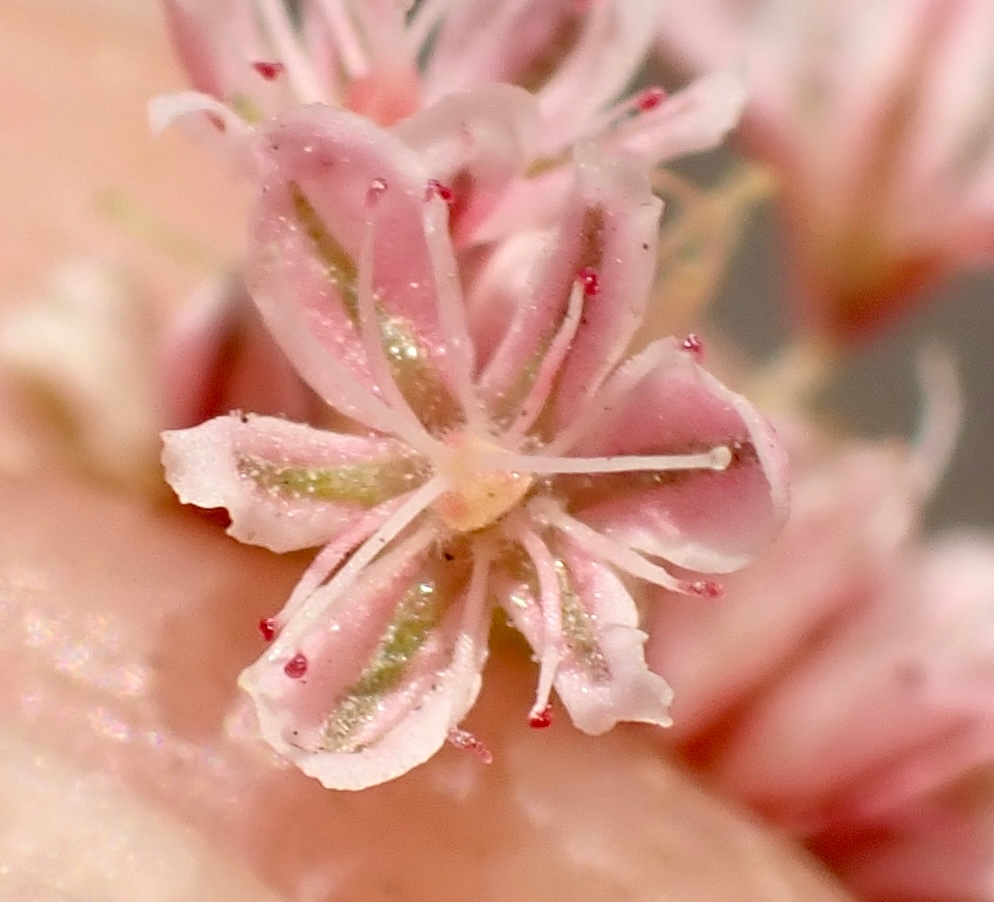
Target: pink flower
{"points": [[499, 155], [505, 90], [844, 685], [544, 475], [878, 116]]}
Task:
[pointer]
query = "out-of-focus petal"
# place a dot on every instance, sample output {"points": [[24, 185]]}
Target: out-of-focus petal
{"points": [[851, 516], [663, 402], [371, 688], [904, 693], [473, 144], [575, 57], [207, 121], [285, 485], [217, 357], [693, 120]]}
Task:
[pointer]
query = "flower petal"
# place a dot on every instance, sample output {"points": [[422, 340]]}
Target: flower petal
{"points": [[474, 143], [574, 58], [663, 402], [371, 687], [610, 227], [217, 42], [207, 121], [693, 120], [285, 485], [851, 517], [326, 171], [601, 677], [217, 357], [904, 691]]}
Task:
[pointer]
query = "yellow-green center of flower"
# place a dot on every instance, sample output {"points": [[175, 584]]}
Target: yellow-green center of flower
{"points": [[478, 496]]}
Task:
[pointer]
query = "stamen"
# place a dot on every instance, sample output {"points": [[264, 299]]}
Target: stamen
{"points": [[551, 605], [693, 345], [600, 546], [296, 667], [717, 458], [545, 379], [268, 70], [469, 653], [434, 188], [649, 99], [626, 108], [368, 316], [329, 558], [591, 282], [323, 598], [706, 588], [451, 312], [267, 627], [301, 74], [539, 720], [941, 417]]}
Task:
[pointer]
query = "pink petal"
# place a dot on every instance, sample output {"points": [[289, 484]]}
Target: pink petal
{"points": [[474, 143], [217, 357], [322, 168], [575, 57], [602, 677], [694, 120], [285, 485], [389, 668], [609, 228], [663, 402], [851, 516], [207, 121], [943, 849], [904, 693]]}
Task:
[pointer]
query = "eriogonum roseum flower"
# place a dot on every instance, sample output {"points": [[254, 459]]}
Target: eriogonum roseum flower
{"points": [[548, 476], [503, 92], [883, 651], [488, 90], [879, 116]]}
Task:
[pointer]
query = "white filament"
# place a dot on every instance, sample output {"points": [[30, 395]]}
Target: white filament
{"points": [[546, 511], [717, 458]]}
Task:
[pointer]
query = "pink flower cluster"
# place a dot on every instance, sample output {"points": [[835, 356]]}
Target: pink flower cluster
{"points": [[450, 282], [462, 290]]}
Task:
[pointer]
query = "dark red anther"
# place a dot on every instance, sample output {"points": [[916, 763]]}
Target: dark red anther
{"points": [[541, 719], [649, 99], [268, 70], [693, 344], [296, 667], [267, 627], [377, 187], [591, 281], [435, 188], [706, 588]]}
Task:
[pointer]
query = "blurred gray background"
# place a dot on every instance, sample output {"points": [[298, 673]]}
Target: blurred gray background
{"points": [[877, 391]]}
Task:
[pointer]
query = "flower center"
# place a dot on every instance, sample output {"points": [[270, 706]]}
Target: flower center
{"points": [[478, 496]]}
